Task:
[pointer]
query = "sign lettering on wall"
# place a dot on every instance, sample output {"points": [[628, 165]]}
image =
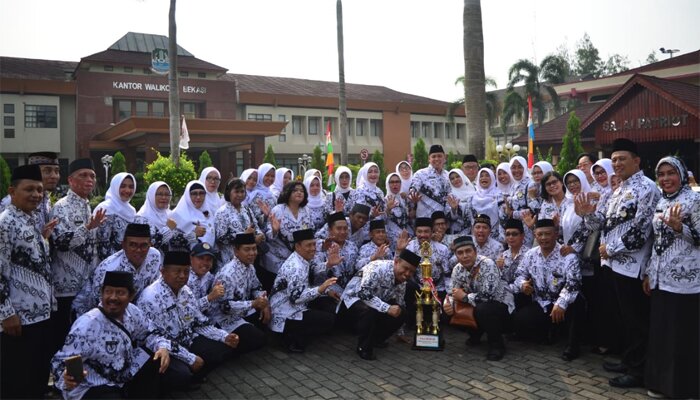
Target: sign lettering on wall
{"points": [[670, 121], [157, 87]]}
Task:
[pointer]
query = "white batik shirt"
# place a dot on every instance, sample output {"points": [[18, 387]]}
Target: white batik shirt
{"points": [[25, 273], [440, 259], [433, 188], [73, 257], [510, 267], [291, 292], [555, 278], [110, 235], [359, 237], [260, 218], [367, 251], [491, 249], [241, 287], [486, 284], [332, 196], [396, 220], [201, 286], [178, 317], [282, 244], [627, 224], [519, 200], [318, 216], [229, 223], [110, 356], [675, 258], [42, 212], [147, 273], [376, 285], [369, 196], [343, 271]]}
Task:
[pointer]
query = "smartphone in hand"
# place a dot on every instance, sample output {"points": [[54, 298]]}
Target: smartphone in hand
{"points": [[74, 367]]}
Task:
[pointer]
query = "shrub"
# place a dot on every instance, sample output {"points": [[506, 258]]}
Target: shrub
{"points": [[204, 161], [5, 176], [164, 169]]}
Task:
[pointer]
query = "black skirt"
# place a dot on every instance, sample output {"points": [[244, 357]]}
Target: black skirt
{"points": [[674, 345]]}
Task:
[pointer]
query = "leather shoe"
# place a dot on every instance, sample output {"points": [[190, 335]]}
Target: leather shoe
{"points": [[626, 381], [570, 353], [366, 354], [295, 348], [495, 354], [619, 368]]}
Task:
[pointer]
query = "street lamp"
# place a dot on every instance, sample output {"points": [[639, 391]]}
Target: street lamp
{"points": [[107, 163], [303, 163], [668, 51], [505, 153]]}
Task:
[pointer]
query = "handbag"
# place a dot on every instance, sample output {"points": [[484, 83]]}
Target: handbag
{"points": [[464, 312], [591, 251]]}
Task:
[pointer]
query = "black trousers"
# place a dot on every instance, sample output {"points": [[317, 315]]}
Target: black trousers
{"points": [[492, 319], [144, 385], [24, 361], [61, 321], [373, 327], [314, 322], [533, 323], [610, 332], [212, 352], [252, 336], [634, 306]]}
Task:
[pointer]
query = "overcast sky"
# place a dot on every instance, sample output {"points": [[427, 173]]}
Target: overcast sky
{"points": [[414, 46]]}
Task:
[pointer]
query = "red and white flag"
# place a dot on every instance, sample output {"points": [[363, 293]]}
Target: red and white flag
{"points": [[184, 135]]}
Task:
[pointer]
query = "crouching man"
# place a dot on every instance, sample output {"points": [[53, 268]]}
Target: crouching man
{"points": [[373, 301], [115, 341]]}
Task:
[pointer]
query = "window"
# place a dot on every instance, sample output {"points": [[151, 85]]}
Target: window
{"points": [[128, 69], [9, 108], [189, 110], [259, 117], [124, 109], [424, 127], [9, 133], [282, 118], [184, 74], [201, 74], [296, 125], [436, 130], [9, 120], [360, 128], [108, 68], [36, 116], [460, 130], [448, 131], [313, 125], [158, 108], [283, 137], [414, 129], [141, 108], [375, 127]]}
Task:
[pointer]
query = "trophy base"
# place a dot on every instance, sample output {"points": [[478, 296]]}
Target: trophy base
{"points": [[428, 342]]}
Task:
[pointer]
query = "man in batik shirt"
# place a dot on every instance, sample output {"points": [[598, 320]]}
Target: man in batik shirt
{"points": [[431, 185]]}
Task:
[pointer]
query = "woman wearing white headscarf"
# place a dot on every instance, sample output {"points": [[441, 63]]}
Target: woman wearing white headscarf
{"points": [[396, 209], [504, 180], [156, 211], [119, 213], [534, 195], [601, 172], [282, 177], [262, 200], [250, 178], [211, 179], [461, 191], [342, 193], [403, 168], [367, 192], [194, 221], [518, 200], [316, 204], [484, 201]]}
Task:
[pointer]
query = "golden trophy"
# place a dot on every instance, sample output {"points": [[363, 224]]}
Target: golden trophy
{"points": [[428, 333]]}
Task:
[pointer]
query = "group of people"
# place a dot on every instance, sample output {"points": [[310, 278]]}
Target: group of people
{"points": [[154, 299]]}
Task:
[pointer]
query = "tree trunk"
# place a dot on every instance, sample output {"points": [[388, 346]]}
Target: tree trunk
{"points": [[174, 95], [474, 80], [342, 104]]}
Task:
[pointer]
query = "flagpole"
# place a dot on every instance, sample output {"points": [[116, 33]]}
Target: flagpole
{"points": [[531, 135]]}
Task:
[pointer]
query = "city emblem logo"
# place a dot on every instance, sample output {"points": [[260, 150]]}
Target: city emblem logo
{"points": [[160, 62]]}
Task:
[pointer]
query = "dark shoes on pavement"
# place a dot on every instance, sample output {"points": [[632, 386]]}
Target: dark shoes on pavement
{"points": [[495, 353], [366, 354], [626, 381], [616, 367], [295, 348], [570, 353]]}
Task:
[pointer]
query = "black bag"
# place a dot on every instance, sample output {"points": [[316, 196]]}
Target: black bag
{"points": [[591, 251]]}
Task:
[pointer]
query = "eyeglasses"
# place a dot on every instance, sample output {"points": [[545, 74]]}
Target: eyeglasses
{"points": [[551, 183], [213, 179], [600, 173], [138, 246], [198, 193]]}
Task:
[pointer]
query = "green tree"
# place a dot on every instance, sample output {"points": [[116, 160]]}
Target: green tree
{"points": [[588, 60], [540, 157], [270, 156], [164, 169], [571, 146], [493, 106], [118, 164], [616, 63], [5, 176], [536, 81], [474, 77], [378, 158], [205, 161], [451, 158], [319, 163], [420, 155]]}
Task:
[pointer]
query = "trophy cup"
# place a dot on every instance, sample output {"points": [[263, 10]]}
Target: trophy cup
{"points": [[428, 334]]}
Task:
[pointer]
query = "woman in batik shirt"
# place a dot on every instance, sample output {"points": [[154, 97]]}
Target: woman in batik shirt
{"points": [[367, 192], [316, 204], [233, 218]]}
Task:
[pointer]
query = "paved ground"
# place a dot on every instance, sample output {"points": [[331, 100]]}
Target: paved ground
{"points": [[330, 369]]}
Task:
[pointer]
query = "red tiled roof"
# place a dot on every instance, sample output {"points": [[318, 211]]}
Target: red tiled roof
{"points": [[685, 59], [554, 130], [307, 87], [29, 68], [685, 95], [130, 58]]}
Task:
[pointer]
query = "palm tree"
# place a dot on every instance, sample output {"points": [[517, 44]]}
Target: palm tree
{"points": [[493, 107], [474, 85], [342, 103], [173, 95], [536, 79]]}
